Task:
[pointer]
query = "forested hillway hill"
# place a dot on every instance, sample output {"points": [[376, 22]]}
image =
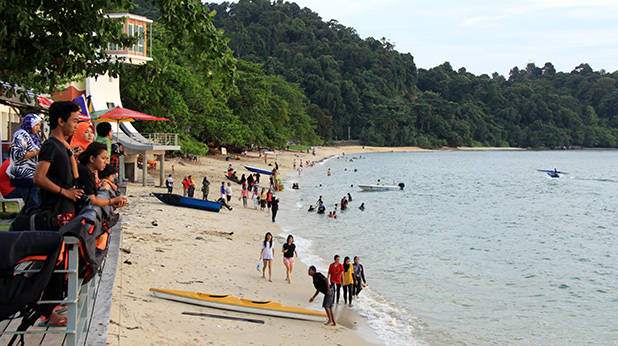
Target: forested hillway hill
{"points": [[385, 100], [366, 88]]}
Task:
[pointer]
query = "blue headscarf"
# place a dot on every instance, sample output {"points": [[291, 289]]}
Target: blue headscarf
{"points": [[27, 123]]}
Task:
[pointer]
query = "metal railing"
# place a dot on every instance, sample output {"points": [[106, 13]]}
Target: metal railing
{"points": [[79, 302], [162, 138]]}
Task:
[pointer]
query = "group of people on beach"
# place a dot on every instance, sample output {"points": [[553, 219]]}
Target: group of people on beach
{"points": [[264, 199], [59, 177], [349, 275]]}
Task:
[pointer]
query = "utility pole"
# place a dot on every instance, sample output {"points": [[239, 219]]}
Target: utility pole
{"points": [[348, 133]]}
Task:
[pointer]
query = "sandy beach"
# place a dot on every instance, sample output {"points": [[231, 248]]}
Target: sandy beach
{"points": [[178, 248]]}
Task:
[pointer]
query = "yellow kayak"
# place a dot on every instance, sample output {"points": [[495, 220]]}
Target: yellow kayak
{"points": [[237, 304]]}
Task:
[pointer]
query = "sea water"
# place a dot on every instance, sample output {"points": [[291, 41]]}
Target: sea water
{"points": [[480, 247]]}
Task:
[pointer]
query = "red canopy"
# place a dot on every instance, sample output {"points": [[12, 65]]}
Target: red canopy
{"points": [[120, 114]]}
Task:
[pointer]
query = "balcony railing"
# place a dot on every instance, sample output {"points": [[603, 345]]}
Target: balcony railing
{"points": [[162, 138]]}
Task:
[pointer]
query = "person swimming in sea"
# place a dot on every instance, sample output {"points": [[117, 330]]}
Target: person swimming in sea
{"points": [[321, 208], [362, 206], [311, 208], [349, 197], [328, 173], [319, 200]]}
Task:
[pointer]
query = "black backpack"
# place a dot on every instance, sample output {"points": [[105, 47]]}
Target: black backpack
{"points": [[23, 249], [92, 227]]}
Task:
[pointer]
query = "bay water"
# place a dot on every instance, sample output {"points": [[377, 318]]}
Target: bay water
{"points": [[479, 248]]}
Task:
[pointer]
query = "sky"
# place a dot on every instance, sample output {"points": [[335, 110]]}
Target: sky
{"points": [[487, 36]]}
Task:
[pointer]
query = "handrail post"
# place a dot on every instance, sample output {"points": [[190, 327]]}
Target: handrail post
{"points": [[72, 291]]}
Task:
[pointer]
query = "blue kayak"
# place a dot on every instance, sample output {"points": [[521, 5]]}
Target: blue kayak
{"points": [[258, 170], [179, 201]]}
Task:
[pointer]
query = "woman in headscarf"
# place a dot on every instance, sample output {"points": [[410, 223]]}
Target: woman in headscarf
{"points": [[83, 136], [24, 157]]}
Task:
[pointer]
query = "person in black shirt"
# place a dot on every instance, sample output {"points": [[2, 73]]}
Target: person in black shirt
{"points": [[54, 174], [289, 250], [274, 207], [321, 286], [57, 168], [92, 160]]}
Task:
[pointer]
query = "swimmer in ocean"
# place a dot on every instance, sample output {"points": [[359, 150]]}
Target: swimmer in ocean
{"points": [[362, 206], [311, 208]]}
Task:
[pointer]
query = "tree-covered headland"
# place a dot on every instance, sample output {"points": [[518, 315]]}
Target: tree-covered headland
{"points": [[269, 72]]}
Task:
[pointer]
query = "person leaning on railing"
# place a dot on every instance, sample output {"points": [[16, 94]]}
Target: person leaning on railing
{"points": [[91, 161], [57, 169]]}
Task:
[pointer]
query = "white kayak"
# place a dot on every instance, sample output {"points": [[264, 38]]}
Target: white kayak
{"points": [[365, 187]]}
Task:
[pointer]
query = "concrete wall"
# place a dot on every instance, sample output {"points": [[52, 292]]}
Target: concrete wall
{"points": [[104, 91]]}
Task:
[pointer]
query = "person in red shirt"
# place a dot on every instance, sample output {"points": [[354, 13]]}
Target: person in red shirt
{"points": [[185, 185], [335, 271]]}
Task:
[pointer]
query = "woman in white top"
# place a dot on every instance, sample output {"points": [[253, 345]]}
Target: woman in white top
{"points": [[266, 255]]}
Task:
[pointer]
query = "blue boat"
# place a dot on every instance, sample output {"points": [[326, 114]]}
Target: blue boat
{"points": [[554, 174], [179, 201], [258, 170]]}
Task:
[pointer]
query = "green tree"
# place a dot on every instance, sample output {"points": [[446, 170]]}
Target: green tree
{"points": [[47, 43]]}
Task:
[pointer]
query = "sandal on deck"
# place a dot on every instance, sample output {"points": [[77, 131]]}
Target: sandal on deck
{"points": [[45, 323]]}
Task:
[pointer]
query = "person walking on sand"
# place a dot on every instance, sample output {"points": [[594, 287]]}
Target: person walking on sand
{"points": [[269, 199], [335, 271], [274, 207], [321, 286], [266, 255], [228, 192], [169, 183], [245, 194], [348, 281], [359, 274], [289, 251], [205, 188]]}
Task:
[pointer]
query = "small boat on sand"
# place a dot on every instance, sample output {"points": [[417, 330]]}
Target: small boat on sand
{"points": [[366, 187], [226, 302], [258, 170], [180, 201]]}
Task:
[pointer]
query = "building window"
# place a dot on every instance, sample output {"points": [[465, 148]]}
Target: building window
{"points": [[140, 42]]}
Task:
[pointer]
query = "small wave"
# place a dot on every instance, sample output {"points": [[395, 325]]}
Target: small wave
{"points": [[392, 324]]}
